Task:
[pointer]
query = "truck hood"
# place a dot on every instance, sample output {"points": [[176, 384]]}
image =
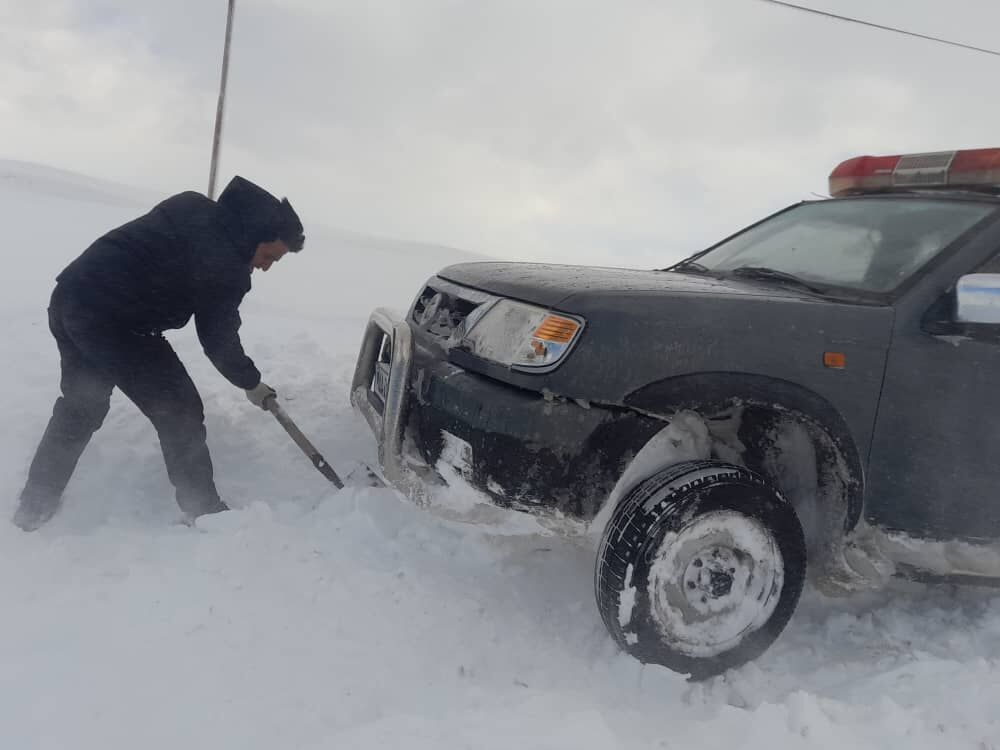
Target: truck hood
{"points": [[645, 326], [553, 285], [660, 341]]}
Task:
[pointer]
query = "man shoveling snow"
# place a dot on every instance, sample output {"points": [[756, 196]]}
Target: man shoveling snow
{"points": [[189, 256]]}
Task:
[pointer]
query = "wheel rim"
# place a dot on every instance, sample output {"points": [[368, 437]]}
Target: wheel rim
{"points": [[714, 581]]}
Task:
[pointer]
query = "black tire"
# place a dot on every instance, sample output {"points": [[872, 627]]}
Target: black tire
{"points": [[674, 620]]}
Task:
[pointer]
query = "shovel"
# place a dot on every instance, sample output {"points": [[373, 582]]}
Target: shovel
{"points": [[324, 468]]}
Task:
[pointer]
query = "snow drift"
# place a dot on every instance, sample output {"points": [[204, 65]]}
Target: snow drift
{"points": [[311, 618]]}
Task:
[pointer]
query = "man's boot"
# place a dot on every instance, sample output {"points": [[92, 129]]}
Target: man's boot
{"points": [[35, 509], [190, 515]]}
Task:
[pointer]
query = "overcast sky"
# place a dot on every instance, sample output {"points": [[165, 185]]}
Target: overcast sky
{"points": [[625, 132]]}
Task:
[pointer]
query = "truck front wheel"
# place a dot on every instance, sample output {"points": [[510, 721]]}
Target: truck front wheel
{"points": [[700, 568]]}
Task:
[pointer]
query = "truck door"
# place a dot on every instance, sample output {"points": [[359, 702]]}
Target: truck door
{"points": [[934, 468]]}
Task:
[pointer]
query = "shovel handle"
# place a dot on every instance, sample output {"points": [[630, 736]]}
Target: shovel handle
{"points": [[271, 405]]}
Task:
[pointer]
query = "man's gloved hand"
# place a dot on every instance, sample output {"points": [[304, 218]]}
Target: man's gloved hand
{"points": [[260, 394]]}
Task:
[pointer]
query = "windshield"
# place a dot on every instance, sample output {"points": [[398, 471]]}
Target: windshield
{"points": [[870, 245]]}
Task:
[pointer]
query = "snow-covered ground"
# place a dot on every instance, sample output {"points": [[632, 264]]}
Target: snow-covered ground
{"points": [[309, 618]]}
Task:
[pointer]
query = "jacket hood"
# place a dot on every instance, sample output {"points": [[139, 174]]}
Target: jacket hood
{"points": [[261, 217]]}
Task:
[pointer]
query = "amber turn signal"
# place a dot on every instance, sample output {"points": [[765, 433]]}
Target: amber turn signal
{"points": [[557, 329], [834, 360]]}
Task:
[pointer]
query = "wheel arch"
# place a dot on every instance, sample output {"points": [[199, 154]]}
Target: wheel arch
{"points": [[764, 398]]}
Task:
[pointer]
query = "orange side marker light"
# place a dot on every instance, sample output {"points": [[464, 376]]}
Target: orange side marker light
{"points": [[834, 360]]}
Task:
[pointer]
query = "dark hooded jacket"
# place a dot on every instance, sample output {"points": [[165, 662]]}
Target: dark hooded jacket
{"points": [[189, 256]]}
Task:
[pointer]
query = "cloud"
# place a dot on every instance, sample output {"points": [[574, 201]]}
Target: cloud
{"points": [[629, 132]]}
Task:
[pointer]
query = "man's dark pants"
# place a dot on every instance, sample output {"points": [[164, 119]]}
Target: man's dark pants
{"points": [[96, 355]]}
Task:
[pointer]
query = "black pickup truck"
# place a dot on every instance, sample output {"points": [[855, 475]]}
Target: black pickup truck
{"points": [[822, 387]]}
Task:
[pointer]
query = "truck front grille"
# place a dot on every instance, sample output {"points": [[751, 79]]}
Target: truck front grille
{"points": [[441, 313]]}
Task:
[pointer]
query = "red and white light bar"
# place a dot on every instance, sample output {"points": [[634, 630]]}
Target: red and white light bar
{"points": [[974, 169]]}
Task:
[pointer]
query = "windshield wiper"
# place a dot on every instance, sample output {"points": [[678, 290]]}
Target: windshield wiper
{"points": [[772, 274], [690, 266]]}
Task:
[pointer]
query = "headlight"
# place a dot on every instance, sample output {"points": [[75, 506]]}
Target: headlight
{"points": [[521, 336]]}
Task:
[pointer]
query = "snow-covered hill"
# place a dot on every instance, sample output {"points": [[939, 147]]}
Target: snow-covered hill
{"points": [[310, 618]]}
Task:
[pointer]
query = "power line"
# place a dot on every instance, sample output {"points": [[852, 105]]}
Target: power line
{"points": [[893, 29]]}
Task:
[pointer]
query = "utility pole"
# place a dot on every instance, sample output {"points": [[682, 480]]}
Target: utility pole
{"points": [[222, 101]]}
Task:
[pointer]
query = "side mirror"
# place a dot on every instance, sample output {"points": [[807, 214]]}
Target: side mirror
{"points": [[978, 299]]}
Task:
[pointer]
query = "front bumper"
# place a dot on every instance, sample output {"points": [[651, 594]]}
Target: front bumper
{"points": [[521, 448], [386, 416]]}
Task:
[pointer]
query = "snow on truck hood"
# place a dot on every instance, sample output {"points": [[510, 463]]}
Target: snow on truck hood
{"points": [[549, 284]]}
